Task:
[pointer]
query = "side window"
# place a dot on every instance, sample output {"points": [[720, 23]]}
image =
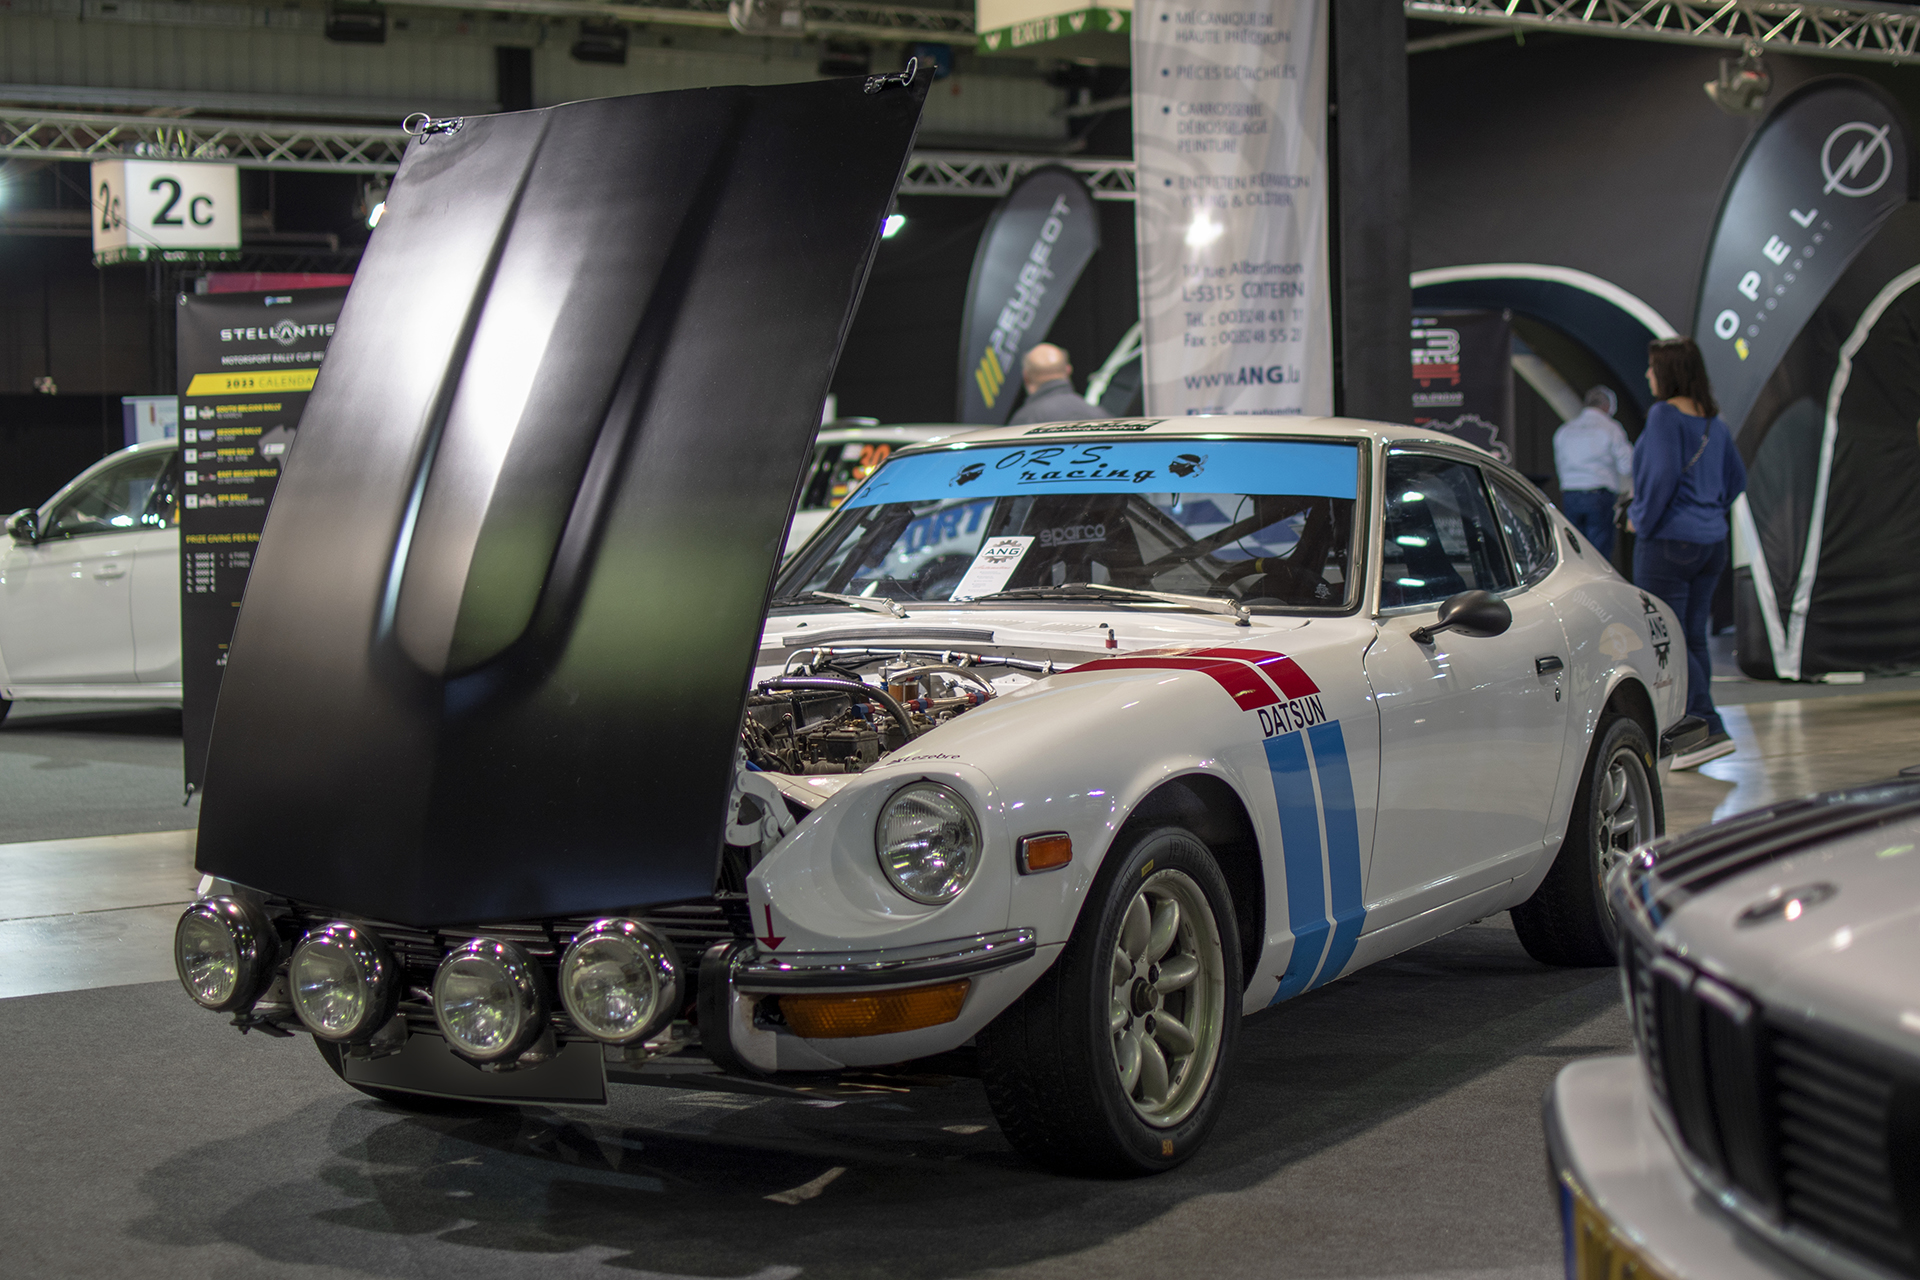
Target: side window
{"points": [[1440, 533], [116, 499], [163, 504], [1529, 532]]}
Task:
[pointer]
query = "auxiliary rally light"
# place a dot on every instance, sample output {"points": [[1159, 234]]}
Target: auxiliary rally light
{"points": [[225, 950], [873, 1013]]}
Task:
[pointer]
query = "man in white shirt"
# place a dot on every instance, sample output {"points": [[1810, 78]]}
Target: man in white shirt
{"points": [[1595, 462]]}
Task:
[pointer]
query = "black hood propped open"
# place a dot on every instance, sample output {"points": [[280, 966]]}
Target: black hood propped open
{"points": [[495, 646]]}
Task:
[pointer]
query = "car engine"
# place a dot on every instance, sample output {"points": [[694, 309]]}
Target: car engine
{"points": [[839, 711]]}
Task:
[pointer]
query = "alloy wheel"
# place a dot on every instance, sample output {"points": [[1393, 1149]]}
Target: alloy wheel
{"points": [[1624, 817], [1168, 998]]}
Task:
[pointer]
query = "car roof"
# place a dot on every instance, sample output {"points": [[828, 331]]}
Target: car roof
{"points": [[1210, 427]]}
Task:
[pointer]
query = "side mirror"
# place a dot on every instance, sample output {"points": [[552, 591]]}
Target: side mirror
{"points": [[1471, 613], [24, 525]]}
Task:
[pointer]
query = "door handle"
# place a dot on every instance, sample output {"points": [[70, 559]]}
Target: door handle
{"points": [[106, 571], [1549, 663]]}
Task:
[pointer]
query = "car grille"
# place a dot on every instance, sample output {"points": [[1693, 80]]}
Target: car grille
{"points": [[1815, 1136]]}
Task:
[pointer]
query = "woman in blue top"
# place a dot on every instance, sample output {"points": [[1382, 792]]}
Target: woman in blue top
{"points": [[1686, 474]]}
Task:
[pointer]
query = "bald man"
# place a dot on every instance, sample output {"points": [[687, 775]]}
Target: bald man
{"points": [[1050, 397]]}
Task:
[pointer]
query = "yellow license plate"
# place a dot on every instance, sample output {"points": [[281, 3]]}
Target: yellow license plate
{"points": [[1596, 1250]]}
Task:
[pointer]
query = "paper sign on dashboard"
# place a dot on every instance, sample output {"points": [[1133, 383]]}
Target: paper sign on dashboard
{"points": [[992, 568]]}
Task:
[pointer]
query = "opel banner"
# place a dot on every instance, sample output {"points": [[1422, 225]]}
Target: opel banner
{"points": [[1230, 133], [1039, 241], [1823, 171]]}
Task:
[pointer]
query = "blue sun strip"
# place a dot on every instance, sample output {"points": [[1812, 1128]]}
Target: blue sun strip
{"points": [[1300, 844]]}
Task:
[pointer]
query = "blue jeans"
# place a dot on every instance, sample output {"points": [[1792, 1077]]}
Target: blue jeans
{"points": [[1684, 574], [1591, 511]]}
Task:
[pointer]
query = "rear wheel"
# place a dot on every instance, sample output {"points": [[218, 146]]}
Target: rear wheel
{"points": [[1115, 1061], [1567, 921]]}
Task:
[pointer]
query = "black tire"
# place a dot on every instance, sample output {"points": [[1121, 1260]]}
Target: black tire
{"points": [[400, 1099], [1567, 921], [1051, 1060]]}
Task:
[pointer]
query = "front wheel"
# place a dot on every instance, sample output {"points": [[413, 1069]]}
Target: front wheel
{"points": [[1115, 1061], [1568, 921]]}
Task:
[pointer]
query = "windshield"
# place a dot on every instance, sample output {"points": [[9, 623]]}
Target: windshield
{"points": [[1262, 523]]}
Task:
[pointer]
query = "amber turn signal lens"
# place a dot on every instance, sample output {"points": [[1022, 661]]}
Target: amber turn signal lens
{"points": [[1044, 853], [873, 1013]]}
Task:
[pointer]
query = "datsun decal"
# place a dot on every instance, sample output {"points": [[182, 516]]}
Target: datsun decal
{"points": [[1312, 789]]}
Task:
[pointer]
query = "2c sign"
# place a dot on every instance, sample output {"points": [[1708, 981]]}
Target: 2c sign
{"points": [[142, 208]]}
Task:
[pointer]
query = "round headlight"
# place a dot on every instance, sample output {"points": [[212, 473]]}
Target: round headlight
{"points": [[619, 981], [928, 841], [488, 999], [224, 950], [344, 982]]}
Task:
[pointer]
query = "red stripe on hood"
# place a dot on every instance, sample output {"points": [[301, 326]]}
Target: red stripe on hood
{"points": [[1284, 671], [1241, 681]]}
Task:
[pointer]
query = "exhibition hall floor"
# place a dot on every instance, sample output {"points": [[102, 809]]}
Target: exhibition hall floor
{"points": [[1384, 1126]]}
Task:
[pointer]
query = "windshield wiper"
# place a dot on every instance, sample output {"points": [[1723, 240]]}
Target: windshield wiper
{"points": [[1073, 590], [872, 604]]}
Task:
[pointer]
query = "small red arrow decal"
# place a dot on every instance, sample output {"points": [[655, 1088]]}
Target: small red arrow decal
{"points": [[771, 941]]}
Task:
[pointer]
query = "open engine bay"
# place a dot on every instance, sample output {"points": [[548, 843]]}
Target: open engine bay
{"points": [[838, 711]]}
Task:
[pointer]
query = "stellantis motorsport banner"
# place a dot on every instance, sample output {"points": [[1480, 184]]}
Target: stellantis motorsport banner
{"points": [[1230, 133], [1039, 241], [247, 361], [1823, 171]]}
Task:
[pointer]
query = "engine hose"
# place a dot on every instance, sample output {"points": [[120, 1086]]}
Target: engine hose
{"points": [[833, 685]]}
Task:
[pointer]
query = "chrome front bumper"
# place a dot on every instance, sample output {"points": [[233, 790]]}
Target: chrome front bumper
{"points": [[773, 973]]}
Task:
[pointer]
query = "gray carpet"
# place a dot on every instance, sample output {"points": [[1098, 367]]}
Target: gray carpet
{"points": [[71, 769], [1386, 1126]]}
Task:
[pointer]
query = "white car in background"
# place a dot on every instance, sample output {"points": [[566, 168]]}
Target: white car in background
{"points": [[846, 452], [90, 586], [1768, 1128]]}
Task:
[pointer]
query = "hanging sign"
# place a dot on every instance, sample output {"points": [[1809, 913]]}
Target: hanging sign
{"points": [[1005, 25], [1038, 242], [1821, 174], [1229, 131], [247, 362], [165, 210], [1463, 377]]}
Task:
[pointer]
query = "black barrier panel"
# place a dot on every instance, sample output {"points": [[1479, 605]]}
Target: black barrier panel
{"points": [[1034, 248], [1463, 376], [1821, 173], [247, 362], [495, 650]]}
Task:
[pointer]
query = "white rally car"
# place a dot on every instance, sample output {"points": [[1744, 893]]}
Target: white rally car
{"points": [[1078, 741], [1070, 742]]}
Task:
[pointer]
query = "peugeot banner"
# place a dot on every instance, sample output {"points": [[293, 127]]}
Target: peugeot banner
{"points": [[1230, 133], [247, 362], [1821, 173], [1036, 245]]}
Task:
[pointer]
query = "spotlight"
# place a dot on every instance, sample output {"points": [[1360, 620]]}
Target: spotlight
{"points": [[373, 202], [891, 227], [1742, 87], [1203, 230]]}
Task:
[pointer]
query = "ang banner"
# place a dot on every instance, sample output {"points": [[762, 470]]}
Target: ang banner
{"points": [[247, 362], [1038, 242], [1823, 171], [1230, 132]]}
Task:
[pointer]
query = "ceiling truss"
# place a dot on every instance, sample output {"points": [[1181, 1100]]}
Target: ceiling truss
{"points": [[1836, 29], [76, 135]]}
